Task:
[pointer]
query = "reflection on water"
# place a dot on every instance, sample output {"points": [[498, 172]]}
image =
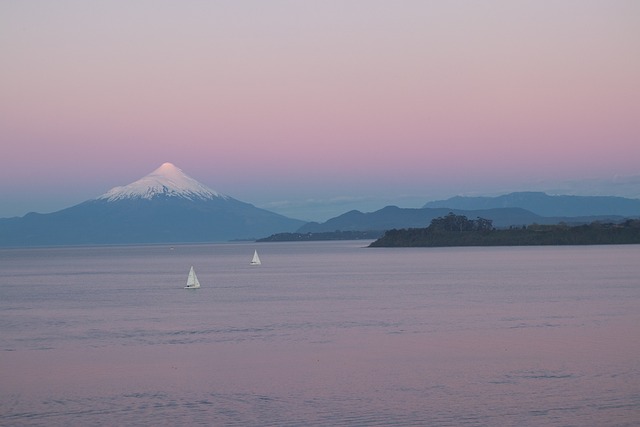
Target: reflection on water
{"points": [[321, 334]]}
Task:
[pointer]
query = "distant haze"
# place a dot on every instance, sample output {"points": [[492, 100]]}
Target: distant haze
{"points": [[311, 109]]}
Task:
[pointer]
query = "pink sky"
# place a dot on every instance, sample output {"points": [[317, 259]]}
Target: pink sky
{"points": [[298, 106]]}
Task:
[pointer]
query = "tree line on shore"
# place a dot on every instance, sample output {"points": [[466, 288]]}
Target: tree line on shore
{"points": [[458, 230]]}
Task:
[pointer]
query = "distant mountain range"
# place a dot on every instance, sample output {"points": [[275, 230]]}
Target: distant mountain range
{"points": [[515, 209], [394, 217], [546, 205], [165, 206]]}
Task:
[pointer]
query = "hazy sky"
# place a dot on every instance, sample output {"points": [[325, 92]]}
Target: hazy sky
{"points": [[312, 108]]}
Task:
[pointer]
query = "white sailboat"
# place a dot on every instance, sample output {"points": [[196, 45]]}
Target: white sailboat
{"points": [[256, 259], [192, 280]]}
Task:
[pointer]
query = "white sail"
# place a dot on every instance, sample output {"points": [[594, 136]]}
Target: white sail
{"points": [[192, 280], [256, 259]]}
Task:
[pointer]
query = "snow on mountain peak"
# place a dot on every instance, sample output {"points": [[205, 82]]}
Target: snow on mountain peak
{"points": [[168, 181]]}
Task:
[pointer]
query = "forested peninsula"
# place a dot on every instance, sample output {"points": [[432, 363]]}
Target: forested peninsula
{"points": [[458, 230]]}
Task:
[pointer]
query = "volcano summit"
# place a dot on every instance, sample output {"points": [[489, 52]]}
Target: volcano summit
{"points": [[165, 206], [166, 181]]}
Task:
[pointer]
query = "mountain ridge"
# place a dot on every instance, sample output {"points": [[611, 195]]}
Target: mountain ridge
{"points": [[391, 217], [546, 205]]}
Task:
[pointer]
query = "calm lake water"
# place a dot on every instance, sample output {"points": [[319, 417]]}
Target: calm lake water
{"points": [[323, 333]]}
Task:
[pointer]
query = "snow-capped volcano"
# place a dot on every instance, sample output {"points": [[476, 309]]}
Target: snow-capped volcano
{"points": [[166, 181], [164, 206]]}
